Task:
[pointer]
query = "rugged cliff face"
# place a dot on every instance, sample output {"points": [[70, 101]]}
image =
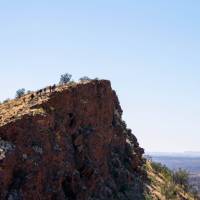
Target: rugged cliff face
{"points": [[69, 144]]}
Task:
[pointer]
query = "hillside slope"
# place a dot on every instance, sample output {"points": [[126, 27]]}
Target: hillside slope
{"points": [[70, 143], [160, 185]]}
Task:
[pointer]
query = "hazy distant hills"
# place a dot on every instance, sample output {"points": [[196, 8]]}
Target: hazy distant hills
{"points": [[187, 160], [175, 154]]}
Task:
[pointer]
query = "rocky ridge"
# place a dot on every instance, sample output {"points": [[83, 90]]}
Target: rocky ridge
{"points": [[72, 144], [69, 144]]}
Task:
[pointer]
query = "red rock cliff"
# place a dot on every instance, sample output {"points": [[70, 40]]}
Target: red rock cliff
{"points": [[69, 144]]}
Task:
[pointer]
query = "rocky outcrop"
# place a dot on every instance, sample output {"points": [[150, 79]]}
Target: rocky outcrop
{"points": [[69, 144]]}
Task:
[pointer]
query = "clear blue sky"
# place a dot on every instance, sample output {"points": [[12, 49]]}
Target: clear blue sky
{"points": [[150, 50]]}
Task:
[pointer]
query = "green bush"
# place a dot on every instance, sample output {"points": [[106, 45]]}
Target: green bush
{"points": [[84, 78], [20, 93], [65, 78], [181, 177], [159, 168], [169, 191]]}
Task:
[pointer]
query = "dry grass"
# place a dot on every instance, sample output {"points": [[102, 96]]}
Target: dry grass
{"points": [[162, 188], [16, 108]]}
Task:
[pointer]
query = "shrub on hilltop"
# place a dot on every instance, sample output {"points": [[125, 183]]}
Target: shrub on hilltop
{"points": [[65, 78], [84, 78], [20, 93]]}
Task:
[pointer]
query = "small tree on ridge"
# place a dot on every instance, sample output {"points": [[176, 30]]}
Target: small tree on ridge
{"points": [[65, 78], [20, 93]]}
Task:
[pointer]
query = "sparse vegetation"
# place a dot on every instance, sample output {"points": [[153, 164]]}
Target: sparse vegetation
{"points": [[65, 78], [181, 177], [159, 168], [29, 92], [20, 93], [6, 100], [169, 190], [84, 78], [173, 182], [71, 83], [148, 197]]}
